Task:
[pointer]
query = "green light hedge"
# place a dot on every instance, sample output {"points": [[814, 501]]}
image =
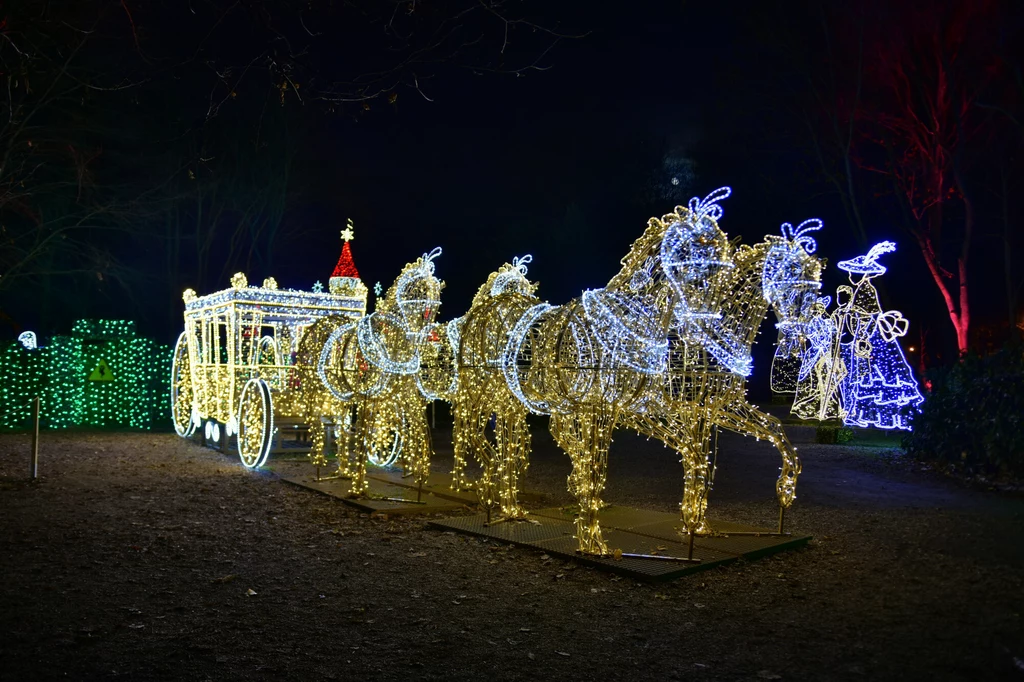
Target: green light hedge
{"points": [[130, 391]]}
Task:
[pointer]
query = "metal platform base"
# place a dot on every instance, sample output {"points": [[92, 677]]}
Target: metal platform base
{"points": [[437, 484], [634, 531], [401, 499]]}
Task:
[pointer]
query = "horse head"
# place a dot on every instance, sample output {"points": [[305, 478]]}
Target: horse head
{"points": [[699, 263], [413, 300], [511, 277], [694, 255], [791, 280]]}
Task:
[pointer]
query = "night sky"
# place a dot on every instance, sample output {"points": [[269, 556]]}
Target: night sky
{"points": [[558, 163], [566, 164]]}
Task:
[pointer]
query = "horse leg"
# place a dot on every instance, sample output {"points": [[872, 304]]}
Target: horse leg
{"points": [[422, 450], [486, 456], [359, 486], [586, 436], [462, 437], [346, 440], [694, 449], [746, 419], [513, 440], [318, 446], [682, 433]]}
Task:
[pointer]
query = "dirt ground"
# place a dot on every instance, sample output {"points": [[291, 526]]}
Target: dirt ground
{"points": [[147, 557]]}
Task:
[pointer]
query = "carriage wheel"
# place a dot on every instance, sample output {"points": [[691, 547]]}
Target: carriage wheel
{"points": [[182, 398], [255, 423], [389, 454]]}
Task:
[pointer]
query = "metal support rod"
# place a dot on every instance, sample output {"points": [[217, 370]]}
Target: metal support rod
{"points": [[688, 560], [433, 414], [689, 549], [334, 478], [419, 492], [35, 438], [782, 518]]}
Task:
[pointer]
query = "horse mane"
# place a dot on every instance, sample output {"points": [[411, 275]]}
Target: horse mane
{"points": [[483, 294], [388, 303], [741, 300], [647, 244]]}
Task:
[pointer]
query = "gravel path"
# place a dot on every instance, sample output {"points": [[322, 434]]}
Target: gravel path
{"points": [[133, 558]]}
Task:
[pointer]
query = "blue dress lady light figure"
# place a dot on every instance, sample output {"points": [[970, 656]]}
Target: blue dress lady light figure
{"points": [[879, 389]]}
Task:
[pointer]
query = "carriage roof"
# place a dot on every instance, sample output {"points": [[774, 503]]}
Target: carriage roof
{"points": [[275, 305]]}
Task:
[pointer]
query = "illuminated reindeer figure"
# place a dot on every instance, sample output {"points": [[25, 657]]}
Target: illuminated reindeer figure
{"points": [[482, 393], [374, 363]]}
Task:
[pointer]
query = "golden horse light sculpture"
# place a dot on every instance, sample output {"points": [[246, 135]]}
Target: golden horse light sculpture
{"points": [[664, 348], [482, 393], [589, 361], [711, 336], [374, 363]]}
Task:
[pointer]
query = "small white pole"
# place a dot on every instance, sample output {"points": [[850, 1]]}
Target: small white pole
{"points": [[35, 438]]}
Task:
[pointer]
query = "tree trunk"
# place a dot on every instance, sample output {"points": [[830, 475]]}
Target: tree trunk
{"points": [[932, 261], [1012, 289], [963, 329]]}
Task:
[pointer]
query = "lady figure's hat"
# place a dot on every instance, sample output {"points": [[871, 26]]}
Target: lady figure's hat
{"points": [[868, 264]]}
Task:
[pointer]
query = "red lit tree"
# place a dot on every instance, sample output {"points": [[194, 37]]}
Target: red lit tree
{"points": [[930, 62], [892, 99], [346, 267]]}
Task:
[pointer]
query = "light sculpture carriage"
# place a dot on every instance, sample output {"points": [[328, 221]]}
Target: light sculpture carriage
{"points": [[248, 355]]}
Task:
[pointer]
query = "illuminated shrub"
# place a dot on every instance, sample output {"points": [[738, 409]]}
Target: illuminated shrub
{"points": [[102, 374], [833, 435]]}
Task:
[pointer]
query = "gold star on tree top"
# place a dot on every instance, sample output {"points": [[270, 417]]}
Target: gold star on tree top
{"points": [[347, 234]]}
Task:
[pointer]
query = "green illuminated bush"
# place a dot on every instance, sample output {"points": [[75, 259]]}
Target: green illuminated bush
{"points": [[58, 373]]}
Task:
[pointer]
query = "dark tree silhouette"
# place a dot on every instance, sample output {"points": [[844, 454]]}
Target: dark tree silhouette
{"points": [[172, 123]]}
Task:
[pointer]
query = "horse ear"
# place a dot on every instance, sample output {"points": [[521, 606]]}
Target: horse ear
{"points": [[716, 196], [809, 225], [708, 206]]}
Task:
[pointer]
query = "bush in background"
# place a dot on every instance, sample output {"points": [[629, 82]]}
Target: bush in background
{"points": [[972, 420], [833, 435]]}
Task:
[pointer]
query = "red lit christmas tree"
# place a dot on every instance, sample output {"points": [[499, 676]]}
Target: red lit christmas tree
{"points": [[345, 267], [345, 278]]}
